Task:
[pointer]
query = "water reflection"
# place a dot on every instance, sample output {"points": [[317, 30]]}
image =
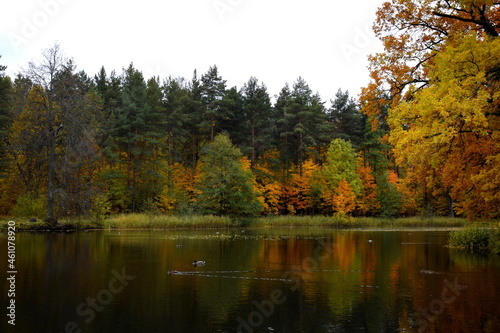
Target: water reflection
{"points": [[287, 280]]}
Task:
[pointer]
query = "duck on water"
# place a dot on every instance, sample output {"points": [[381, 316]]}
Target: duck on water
{"points": [[195, 263]]}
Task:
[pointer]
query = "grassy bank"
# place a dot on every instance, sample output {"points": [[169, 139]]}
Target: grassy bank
{"points": [[360, 222], [145, 221]]}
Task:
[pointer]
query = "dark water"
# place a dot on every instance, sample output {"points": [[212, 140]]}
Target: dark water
{"points": [[287, 280]]}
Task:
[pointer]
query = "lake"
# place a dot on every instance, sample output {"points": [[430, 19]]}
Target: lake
{"points": [[283, 280]]}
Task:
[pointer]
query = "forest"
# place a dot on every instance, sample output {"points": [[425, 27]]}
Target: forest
{"points": [[422, 138]]}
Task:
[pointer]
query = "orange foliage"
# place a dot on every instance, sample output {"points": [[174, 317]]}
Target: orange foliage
{"points": [[342, 200], [302, 186], [411, 31], [267, 184], [367, 202], [436, 80], [474, 177]]}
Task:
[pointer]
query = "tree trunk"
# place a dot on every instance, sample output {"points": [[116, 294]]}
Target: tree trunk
{"points": [[252, 160], [451, 203], [301, 150], [51, 175], [51, 187], [212, 127]]}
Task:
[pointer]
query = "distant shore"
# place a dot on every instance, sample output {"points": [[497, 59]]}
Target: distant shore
{"points": [[166, 222]]}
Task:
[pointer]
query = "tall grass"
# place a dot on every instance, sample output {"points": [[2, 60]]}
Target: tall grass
{"points": [[494, 242], [413, 222], [305, 221], [159, 221], [470, 239], [343, 221], [154, 221]]}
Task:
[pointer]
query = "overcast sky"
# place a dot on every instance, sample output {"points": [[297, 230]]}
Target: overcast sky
{"points": [[324, 41]]}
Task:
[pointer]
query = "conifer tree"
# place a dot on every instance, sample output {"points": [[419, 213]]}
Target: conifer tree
{"points": [[302, 123], [259, 123], [177, 101], [345, 119], [137, 134], [212, 92]]}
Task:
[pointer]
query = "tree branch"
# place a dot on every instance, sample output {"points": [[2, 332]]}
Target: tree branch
{"points": [[488, 27]]}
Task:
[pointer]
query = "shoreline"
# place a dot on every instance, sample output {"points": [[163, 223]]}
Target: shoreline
{"points": [[209, 222]]}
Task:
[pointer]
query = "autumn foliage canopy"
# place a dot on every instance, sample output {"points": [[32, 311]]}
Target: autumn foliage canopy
{"points": [[439, 81]]}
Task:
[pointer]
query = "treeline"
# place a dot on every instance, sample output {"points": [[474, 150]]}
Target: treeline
{"points": [[76, 145]]}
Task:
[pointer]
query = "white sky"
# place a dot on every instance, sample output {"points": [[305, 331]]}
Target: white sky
{"points": [[324, 41]]}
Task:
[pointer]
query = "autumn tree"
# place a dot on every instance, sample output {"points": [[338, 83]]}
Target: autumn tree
{"points": [[304, 199], [455, 125], [437, 79], [225, 187], [340, 166], [341, 163], [343, 199], [268, 174], [52, 133], [412, 31], [367, 203]]}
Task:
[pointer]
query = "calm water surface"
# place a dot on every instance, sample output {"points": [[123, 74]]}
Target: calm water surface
{"points": [[286, 280]]}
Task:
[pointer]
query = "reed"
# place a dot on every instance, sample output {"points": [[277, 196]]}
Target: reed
{"points": [[494, 242], [157, 221], [343, 221], [470, 239], [304, 221]]}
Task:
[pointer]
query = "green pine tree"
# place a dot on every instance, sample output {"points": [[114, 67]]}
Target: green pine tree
{"points": [[212, 93], [259, 123], [138, 134], [345, 119], [302, 124], [177, 101]]}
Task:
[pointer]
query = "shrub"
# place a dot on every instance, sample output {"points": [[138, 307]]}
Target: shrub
{"points": [[101, 207], [494, 242], [470, 239], [30, 204]]}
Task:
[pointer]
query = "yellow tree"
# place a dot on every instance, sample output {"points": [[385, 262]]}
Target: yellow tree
{"points": [[451, 128], [438, 89], [411, 32], [267, 183]]}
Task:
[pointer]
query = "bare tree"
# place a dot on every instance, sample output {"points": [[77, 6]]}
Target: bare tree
{"points": [[65, 109]]}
